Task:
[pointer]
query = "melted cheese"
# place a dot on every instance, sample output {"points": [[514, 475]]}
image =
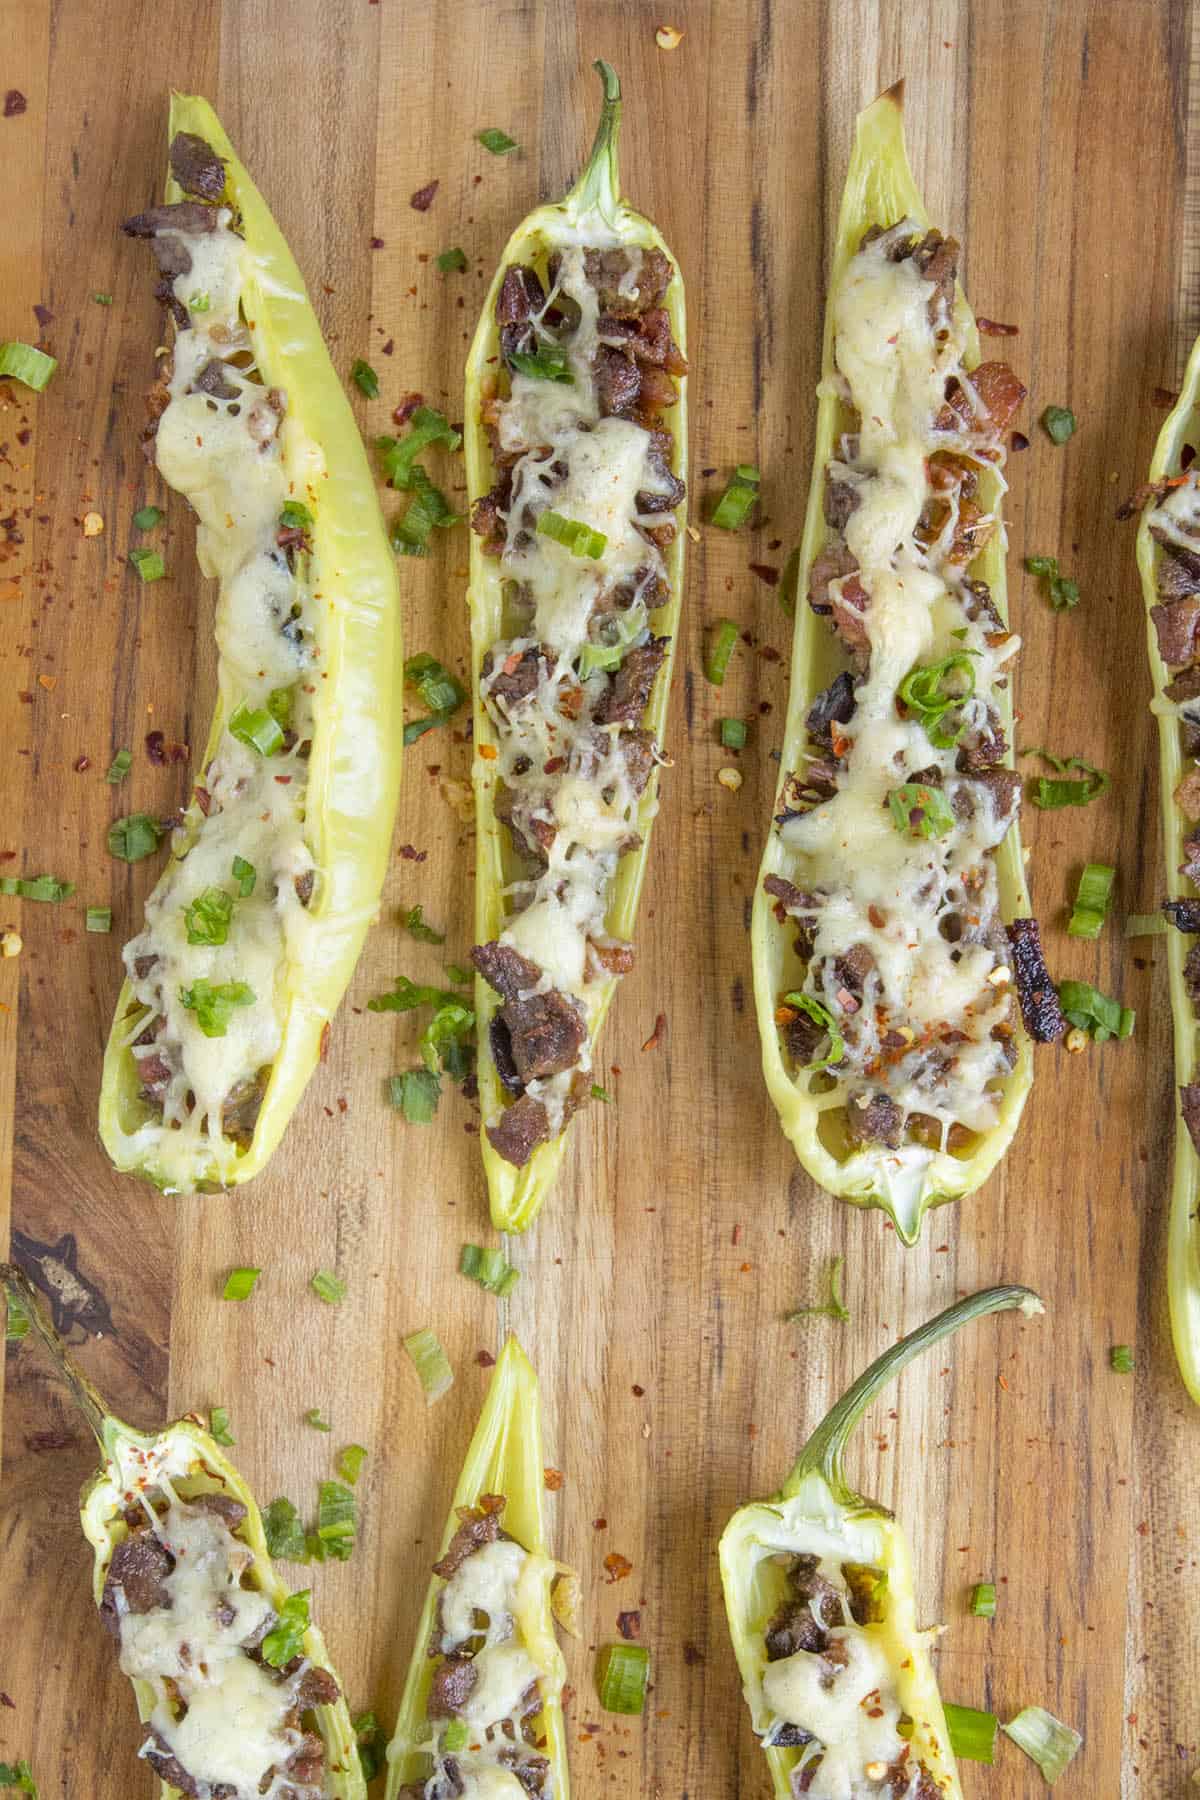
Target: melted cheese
{"points": [[486, 1583]]}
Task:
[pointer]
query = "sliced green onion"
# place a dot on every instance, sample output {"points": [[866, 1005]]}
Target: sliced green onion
{"points": [[147, 517], [550, 363], [37, 887], [149, 564], [283, 1531], [1045, 1739], [1092, 901], [365, 379], [132, 838], [922, 812], [601, 1093], [1053, 794], [239, 1283], [295, 516], [103, 299], [1089, 1010], [490, 1268], [737, 502], [414, 923], [932, 691], [832, 1308], [1120, 1359], [1063, 593], [622, 1676], [328, 1287], [495, 140], [207, 917], [733, 733], [314, 1418], [430, 508], [1058, 422], [455, 1734], [822, 1016], [578, 538], [407, 996], [337, 1519], [286, 1638], [213, 1003], [18, 1775], [439, 690], [255, 727], [619, 632], [26, 364], [972, 1733], [720, 649], [245, 874], [199, 301], [415, 1093], [350, 1462], [1145, 925], [119, 767], [98, 918], [279, 704], [431, 1362], [983, 1600], [452, 262], [218, 1426], [426, 426]]}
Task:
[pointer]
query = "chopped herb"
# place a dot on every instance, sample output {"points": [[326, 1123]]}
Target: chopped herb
{"points": [[737, 502], [17, 1320], [257, 728], [820, 1015], [580, 539], [600, 1093], [720, 649], [149, 564], [25, 364], [497, 141], [549, 363], [119, 767], [1062, 593], [328, 1287], [452, 262], [732, 733], [1092, 901], [1058, 422], [279, 705], [1091, 1011], [439, 690], [295, 516], [286, 1639], [1045, 1739], [147, 517], [1051, 795], [372, 1745], [413, 922], [398, 455], [199, 301], [350, 1462], [337, 1519], [213, 1003], [313, 1417], [98, 918], [218, 1427], [18, 1775], [622, 1676], [618, 632], [972, 1733], [245, 874], [283, 1531], [415, 1094], [207, 917], [490, 1268], [240, 1283], [983, 1600], [922, 812], [430, 508], [103, 299], [937, 689], [365, 379], [407, 996], [37, 887], [432, 1364], [455, 1734], [451, 1024], [134, 837], [829, 1309], [1120, 1359]]}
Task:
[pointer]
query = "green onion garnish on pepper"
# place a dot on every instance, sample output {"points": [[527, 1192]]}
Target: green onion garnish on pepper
{"points": [[372, 1744], [119, 767], [147, 517], [240, 1283], [27, 364], [922, 812], [972, 1733], [37, 887], [350, 1462], [983, 1600], [1092, 901], [132, 838], [218, 1426], [328, 1287], [497, 141], [245, 874], [1045, 1739], [431, 1363], [720, 649], [98, 918], [1120, 1359], [149, 564], [256, 728], [283, 1531], [1058, 422], [286, 1639], [279, 704], [550, 363], [415, 1093], [929, 693], [573, 534], [455, 1734], [337, 1519], [737, 502], [452, 262], [820, 1015], [207, 918], [414, 923], [832, 1308], [1091, 1011], [200, 302], [622, 1677], [214, 1002], [365, 379]]}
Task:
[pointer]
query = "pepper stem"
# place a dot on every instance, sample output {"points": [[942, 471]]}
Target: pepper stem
{"points": [[822, 1454], [86, 1397], [599, 187]]}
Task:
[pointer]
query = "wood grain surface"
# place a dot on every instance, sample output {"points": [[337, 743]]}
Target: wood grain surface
{"points": [[1060, 140]]}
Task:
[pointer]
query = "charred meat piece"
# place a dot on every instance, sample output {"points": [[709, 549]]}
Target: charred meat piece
{"points": [[478, 1525], [505, 969], [196, 166], [533, 837], [547, 1033], [1176, 624], [317, 1687], [618, 382], [1187, 795], [161, 224], [803, 1621], [1036, 992], [833, 705], [1003, 789], [629, 689], [231, 1512], [879, 1121], [937, 259], [1191, 974], [1183, 914], [519, 302], [306, 1764], [155, 1075], [658, 456], [979, 605], [136, 1579], [521, 1127], [841, 498], [790, 897], [521, 673], [212, 381], [500, 1043], [1178, 573], [489, 513], [610, 273], [451, 1687], [638, 749]]}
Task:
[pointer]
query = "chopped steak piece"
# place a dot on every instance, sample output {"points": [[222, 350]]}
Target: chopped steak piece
{"points": [[791, 1737], [196, 166], [1176, 624], [606, 270], [833, 705], [1036, 992], [1003, 788], [136, 1578], [1184, 687], [658, 456], [618, 383], [803, 1621], [629, 689], [1189, 1100], [170, 1770], [155, 1074], [853, 967], [230, 1511], [505, 969], [519, 302], [983, 745], [307, 1763], [161, 223], [478, 1525], [547, 1032], [979, 605], [880, 1121], [1187, 795], [1178, 568], [937, 259], [317, 1688], [521, 1127], [500, 1041], [841, 498], [1183, 914], [831, 564], [211, 380], [520, 674], [638, 750]]}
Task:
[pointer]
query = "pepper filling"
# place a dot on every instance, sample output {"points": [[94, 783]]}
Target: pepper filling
{"points": [[902, 1021], [579, 518], [228, 917], [830, 1690], [488, 1688], [181, 1597]]}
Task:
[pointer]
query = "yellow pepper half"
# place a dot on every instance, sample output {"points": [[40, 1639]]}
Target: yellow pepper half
{"points": [[880, 190]]}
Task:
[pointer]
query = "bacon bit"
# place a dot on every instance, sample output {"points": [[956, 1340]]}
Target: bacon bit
{"points": [[407, 407], [657, 1035], [484, 1358], [629, 1624], [618, 1567], [877, 917], [161, 752], [93, 524], [553, 1479], [422, 200], [49, 682], [668, 37], [325, 1034], [992, 328], [81, 763], [410, 853], [15, 103], [512, 662]]}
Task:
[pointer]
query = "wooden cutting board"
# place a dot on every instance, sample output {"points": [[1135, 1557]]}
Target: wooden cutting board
{"points": [[1060, 141]]}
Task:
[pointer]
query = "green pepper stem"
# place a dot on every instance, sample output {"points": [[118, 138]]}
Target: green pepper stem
{"points": [[86, 1397], [599, 187], [822, 1454]]}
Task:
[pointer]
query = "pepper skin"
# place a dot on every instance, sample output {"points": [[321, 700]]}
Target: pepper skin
{"points": [[354, 768], [195, 1465], [879, 190], [817, 1512], [517, 1193]]}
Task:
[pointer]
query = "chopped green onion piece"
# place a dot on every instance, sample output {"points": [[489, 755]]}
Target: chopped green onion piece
{"points": [[578, 538], [1089, 1010], [972, 1733], [1120, 1359], [550, 363], [199, 301], [372, 1744], [147, 517], [119, 767], [450, 1025], [295, 516], [279, 705], [328, 1287], [415, 1094], [350, 1462], [922, 812], [1045, 1739], [1044, 567], [618, 631], [18, 1775], [413, 922], [103, 299], [937, 689], [283, 1531], [983, 1600], [437, 688], [833, 1307], [37, 887], [337, 1519], [737, 502], [1145, 925], [256, 727], [495, 140], [1051, 795], [720, 649], [313, 1417], [17, 1320], [407, 996], [24, 363], [286, 1638], [213, 1003], [490, 1268], [207, 917], [455, 1734], [365, 379], [452, 262], [1092, 901], [218, 1426], [1058, 422], [149, 564], [98, 918], [601, 1093], [245, 874], [1063, 593], [431, 1362], [622, 1676], [733, 733], [410, 535], [239, 1283], [134, 837], [397, 455], [820, 1015]]}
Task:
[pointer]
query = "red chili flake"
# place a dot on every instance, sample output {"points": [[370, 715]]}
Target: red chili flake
{"points": [[343, 1105], [407, 407], [553, 1479], [388, 347], [24, 436], [377, 243], [599, 1524], [993, 328], [629, 1624], [422, 200], [43, 315], [161, 752], [737, 1235], [410, 853], [284, 780], [5, 1701], [638, 1391], [692, 1656], [484, 1358], [617, 1567], [15, 103], [766, 572], [37, 1441], [657, 1035], [1018, 441], [24, 696], [1164, 397], [553, 764], [81, 763], [325, 1031]]}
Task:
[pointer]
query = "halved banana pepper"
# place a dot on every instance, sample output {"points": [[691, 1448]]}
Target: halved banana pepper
{"points": [[481, 1714], [575, 434], [882, 973], [819, 1594], [255, 925], [233, 1683], [1168, 554]]}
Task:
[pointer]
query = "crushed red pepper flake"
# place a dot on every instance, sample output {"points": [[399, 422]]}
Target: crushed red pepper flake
{"points": [[422, 200], [637, 1391], [484, 1358], [376, 243], [553, 1479], [325, 1035], [15, 103], [766, 572], [993, 328], [617, 1566], [407, 407], [657, 1035], [629, 1624]]}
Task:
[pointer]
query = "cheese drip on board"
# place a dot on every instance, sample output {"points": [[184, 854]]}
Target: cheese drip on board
{"points": [[891, 828], [224, 441]]}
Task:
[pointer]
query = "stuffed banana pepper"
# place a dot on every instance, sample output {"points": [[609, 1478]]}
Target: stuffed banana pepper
{"points": [[575, 444], [253, 930], [819, 1594], [883, 974], [1168, 553], [233, 1682], [481, 1715]]}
